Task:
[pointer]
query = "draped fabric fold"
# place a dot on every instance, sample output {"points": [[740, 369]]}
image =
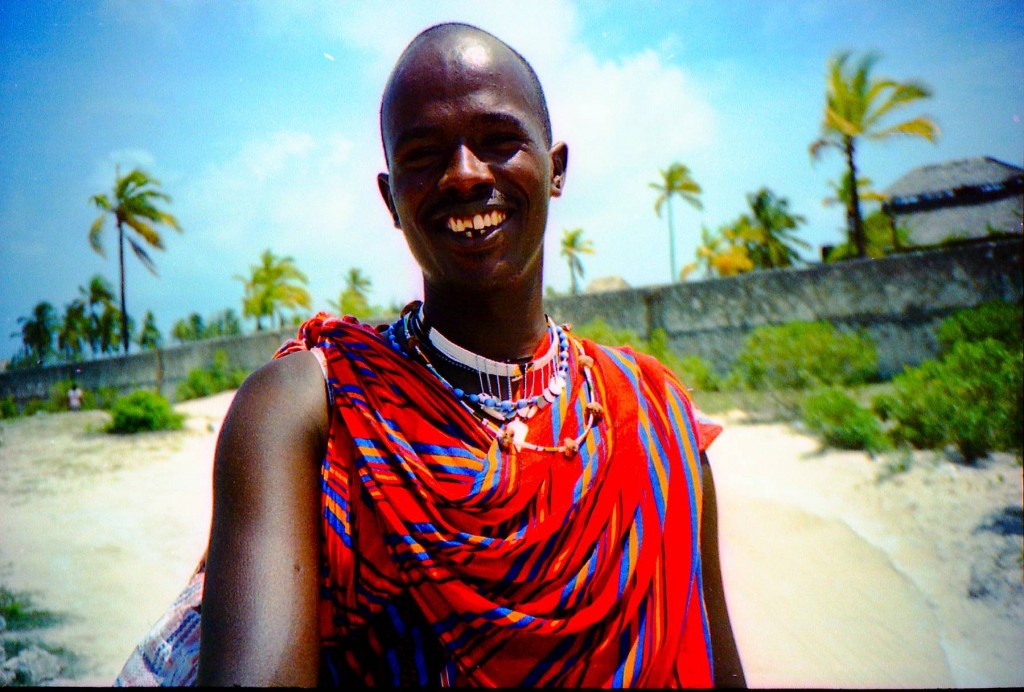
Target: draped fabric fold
{"points": [[449, 560]]}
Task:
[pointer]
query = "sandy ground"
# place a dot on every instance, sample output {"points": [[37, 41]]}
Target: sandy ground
{"points": [[839, 572]]}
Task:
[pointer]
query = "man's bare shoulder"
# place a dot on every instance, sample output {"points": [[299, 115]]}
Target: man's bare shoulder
{"points": [[284, 400]]}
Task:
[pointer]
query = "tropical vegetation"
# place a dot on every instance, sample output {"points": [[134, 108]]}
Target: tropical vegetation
{"points": [[764, 238], [143, 411], [675, 181], [37, 333], [574, 245], [220, 376], [274, 286], [354, 298], [857, 107], [134, 204]]}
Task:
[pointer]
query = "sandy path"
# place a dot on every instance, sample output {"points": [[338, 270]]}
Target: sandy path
{"points": [[840, 577], [112, 531], [834, 579]]}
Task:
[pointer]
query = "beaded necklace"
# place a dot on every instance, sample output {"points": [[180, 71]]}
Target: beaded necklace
{"points": [[508, 432], [496, 376]]}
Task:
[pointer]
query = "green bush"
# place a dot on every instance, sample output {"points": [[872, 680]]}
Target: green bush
{"points": [[8, 409], [34, 406], [204, 382], [800, 355], [994, 319], [692, 371], [143, 411], [842, 422], [972, 399], [103, 398], [606, 335]]}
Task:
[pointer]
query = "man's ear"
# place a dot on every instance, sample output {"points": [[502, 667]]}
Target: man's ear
{"points": [[559, 162], [384, 185]]}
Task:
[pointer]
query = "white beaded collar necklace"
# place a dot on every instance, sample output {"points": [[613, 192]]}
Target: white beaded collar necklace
{"points": [[481, 364]]}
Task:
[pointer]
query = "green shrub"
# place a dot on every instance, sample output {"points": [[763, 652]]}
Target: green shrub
{"points": [[994, 319], [103, 398], [606, 335], [842, 422], [692, 371], [972, 399], [34, 406], [8, 409], [143, 411], [799, 355], [17, 609], [206, 381], [884, 405]]}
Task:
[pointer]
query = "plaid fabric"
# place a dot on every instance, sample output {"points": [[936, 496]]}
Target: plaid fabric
{"points": [[168, 656], [449, 560]]}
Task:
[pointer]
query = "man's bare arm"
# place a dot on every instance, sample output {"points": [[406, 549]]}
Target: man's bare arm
{"points": [[259, 623], [728, 667]]}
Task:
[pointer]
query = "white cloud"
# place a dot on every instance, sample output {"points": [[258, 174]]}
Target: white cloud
{"points": [[310, 196], [622, 119]]}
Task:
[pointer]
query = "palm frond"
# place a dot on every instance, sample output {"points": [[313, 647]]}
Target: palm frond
{"points": [[918, 127], [101, 201], [900, 95], [146, 231], [143, 256], [95, 235]]}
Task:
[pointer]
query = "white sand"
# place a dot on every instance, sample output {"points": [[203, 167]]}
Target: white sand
{"points": [[833, 578]]}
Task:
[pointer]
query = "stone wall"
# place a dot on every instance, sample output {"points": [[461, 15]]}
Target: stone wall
{"points": [[162, 369], [898, 300]]}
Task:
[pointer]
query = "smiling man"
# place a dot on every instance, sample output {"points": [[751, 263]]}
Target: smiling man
{"points": [[475, 496]]}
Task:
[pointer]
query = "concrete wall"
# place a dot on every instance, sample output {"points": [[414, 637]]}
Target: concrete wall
{"points": [[162, 369], [898, 300]]}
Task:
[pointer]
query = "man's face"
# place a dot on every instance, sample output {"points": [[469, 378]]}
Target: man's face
{"points": [[470, 174]]}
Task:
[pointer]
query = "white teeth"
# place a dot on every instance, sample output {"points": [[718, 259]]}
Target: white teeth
{"points": [[477, 223]]}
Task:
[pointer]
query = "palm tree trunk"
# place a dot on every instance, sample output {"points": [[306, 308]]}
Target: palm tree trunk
{"points": [[671, 241], [856, 223], [124, 309], [573, 288]]}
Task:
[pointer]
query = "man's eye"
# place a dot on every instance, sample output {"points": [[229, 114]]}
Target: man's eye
{"points": [[504, 143], [418, 155]]}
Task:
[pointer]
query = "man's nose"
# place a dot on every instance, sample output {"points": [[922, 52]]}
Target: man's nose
{"points": [[465, 172]]}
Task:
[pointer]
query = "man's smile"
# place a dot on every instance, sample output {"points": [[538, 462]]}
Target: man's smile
{"points": [[476, 225]]}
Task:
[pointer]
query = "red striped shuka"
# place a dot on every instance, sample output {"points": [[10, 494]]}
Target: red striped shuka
{"points": [[447, 560]]}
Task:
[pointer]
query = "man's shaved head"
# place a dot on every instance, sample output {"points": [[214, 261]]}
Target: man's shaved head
{"points": [[440, 37]]}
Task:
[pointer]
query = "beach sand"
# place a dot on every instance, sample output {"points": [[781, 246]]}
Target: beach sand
{"points": [[839, 571]]}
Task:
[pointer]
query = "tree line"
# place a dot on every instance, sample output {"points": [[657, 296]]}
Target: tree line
{"points": [[857, 106]]}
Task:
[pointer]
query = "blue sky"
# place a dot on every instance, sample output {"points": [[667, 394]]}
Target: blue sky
{"points": [[260, 120]]}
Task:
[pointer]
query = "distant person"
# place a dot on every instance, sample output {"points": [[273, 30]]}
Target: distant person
{"points": [[75, 397], [469, 496]]}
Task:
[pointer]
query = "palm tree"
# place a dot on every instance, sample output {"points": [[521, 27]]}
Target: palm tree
{"points": [[37, 332], [675, 182], [726, 252], [133, 206], [73, 330], [150, 336], [274, 285], [855, 105], [573, 245], [772, 245], [354, 298], [98, 294], [223, 323], [842, 193]]}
